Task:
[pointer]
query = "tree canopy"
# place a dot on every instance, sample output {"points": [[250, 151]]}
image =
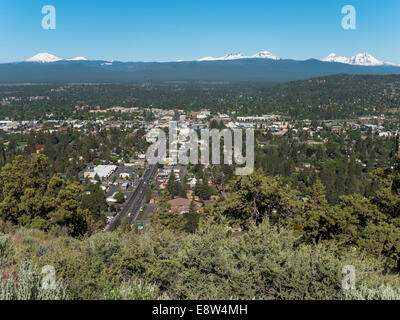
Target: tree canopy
{"points": [[29, 198]]}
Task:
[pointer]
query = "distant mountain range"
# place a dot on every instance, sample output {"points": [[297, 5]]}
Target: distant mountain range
{"points": [[261, 67], [236, 56], [361, 59]]}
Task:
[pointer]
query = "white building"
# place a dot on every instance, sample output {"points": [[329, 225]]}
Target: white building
{"points": [[192, 182], [102, 171]]}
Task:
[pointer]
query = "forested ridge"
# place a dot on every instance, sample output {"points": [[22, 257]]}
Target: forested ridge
{"points": [[331, 97]]}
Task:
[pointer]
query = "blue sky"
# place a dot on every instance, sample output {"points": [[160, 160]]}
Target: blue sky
{"points": [[169, 30]]}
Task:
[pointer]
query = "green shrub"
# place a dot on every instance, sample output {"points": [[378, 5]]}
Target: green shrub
{"points": [[7, 250], [264, 264], [26, 284], [382, 293], [133, 290], [103, 246]]}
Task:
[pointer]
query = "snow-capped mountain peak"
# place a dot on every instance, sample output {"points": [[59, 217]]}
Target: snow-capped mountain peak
{"points": [[361, 59], [77, 59], [48, 58], [365, 59], [264, 55], [229, 56], [233, 56], [236, 56], [43, 58], [333, 57]]}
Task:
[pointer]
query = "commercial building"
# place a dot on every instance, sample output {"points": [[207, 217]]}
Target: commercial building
{"points": [[102, 171]]}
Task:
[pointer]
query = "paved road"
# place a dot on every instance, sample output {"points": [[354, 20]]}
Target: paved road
{"points": [[136, 200], [145, 219]]}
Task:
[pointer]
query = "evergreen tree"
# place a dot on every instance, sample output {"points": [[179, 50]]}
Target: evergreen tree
{"points": [[313, 218], [29, 198], [191, 219], [163, 215], [172, 186], [125, 225]]}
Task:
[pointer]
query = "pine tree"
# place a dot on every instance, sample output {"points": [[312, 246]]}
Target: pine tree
{"points": [[313, 219], [125, 226], [163, 215], [171, 186], [191, 219]]}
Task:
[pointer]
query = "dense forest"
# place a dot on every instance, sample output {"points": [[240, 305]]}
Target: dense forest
{"points": [[331, 97], [334, 97], [342, 162], [69, 151]]}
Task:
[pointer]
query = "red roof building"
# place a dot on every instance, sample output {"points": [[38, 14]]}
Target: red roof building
{"points": [[40, 148]]}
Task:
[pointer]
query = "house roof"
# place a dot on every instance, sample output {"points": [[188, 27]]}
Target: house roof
{"points": [[183, 203], [179, 202], [40, 146]]}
